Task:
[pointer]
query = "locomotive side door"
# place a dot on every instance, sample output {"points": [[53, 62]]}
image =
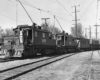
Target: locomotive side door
{"points": [[28, 36]]}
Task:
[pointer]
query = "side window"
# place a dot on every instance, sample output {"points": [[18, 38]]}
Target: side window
{"points": [[35, 33], [54, 37], [73, 39], [66, 38], [50, 36], [43, 34]]}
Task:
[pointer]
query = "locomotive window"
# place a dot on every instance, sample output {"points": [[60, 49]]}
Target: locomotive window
{"points": [[43, 35], [35, 33], [50, 36], [54, 37], [73, 39], [66, 38]]}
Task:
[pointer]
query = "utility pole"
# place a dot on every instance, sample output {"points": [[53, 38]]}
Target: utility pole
{"points": [[45, 19], [96, 32], [85, 32], [90, 31], [76, 18], [54, 20]]}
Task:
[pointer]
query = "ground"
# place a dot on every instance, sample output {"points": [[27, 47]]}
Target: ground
{"points": [[82, 66], [77, 67]]}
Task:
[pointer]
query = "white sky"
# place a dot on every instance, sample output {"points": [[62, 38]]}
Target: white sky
{"points": [[87, 14]]}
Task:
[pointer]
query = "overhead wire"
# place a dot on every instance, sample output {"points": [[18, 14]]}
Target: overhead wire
{"points": [[64, 8], [87, 8], [48, 12], [58, 13], [9, 17]]}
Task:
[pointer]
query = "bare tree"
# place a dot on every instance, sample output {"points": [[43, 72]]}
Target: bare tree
{"points": [[54, 29], [79, 31], [1, 32], [51, 28], [45, 26], [8, 32]]}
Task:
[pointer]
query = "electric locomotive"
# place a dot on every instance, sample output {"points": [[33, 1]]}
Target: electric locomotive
{"points": [[28, 41]]}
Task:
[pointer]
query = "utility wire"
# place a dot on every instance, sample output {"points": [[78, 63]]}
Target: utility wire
{"points": [[28, 4], [58, 13], [87, 8], [9, 17], [64, 7]]}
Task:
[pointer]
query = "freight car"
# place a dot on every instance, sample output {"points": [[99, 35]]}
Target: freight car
{"points": [[83, 44], [94, 44], [88, 44]]}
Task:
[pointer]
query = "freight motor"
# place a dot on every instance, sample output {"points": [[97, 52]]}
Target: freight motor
{"points": [[28, 41]]}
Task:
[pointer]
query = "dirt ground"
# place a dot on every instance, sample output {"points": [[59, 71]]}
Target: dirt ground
{"points": [[78, 67]]}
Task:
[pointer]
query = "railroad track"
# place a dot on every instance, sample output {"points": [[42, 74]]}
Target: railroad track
{"points": [[17, 71], [7, 60]]}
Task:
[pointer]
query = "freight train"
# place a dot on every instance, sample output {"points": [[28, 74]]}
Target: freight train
{"points": [[28, 41]]}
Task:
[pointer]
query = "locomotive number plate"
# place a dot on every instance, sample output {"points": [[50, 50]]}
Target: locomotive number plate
{"points": [[44, 40]]}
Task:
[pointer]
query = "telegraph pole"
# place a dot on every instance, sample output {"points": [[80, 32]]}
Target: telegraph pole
{"points": [[45, 19], [85, 32], [76, 18], [96, 32], [90, 31], [54, 20]]}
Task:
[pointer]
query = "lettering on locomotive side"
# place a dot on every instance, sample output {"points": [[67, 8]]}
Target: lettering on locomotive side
{"points": [[44, 40]]}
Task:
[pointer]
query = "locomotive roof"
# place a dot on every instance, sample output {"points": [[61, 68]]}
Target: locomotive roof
{"points": [[38, 28], [22, 26]]}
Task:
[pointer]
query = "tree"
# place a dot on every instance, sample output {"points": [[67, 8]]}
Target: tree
{"points": [[45, 26], [1, 32], [8, 32], [79, 31], [54, 29], [51, 28]]}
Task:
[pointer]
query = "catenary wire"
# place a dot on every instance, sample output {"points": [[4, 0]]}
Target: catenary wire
{"points": [[87, 8], [64, 8], [9, 17], [28, 4]]}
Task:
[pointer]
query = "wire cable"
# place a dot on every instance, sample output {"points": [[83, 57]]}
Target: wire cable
{"points": [[9, 17], [87, 8], [64, 7], [28, 4]]}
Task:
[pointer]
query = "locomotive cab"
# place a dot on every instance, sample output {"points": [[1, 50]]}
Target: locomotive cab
{"points": [[25, 34], [60, 40]]}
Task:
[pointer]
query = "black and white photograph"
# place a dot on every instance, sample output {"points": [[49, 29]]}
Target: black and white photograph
{"points": [[49, 39]]}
